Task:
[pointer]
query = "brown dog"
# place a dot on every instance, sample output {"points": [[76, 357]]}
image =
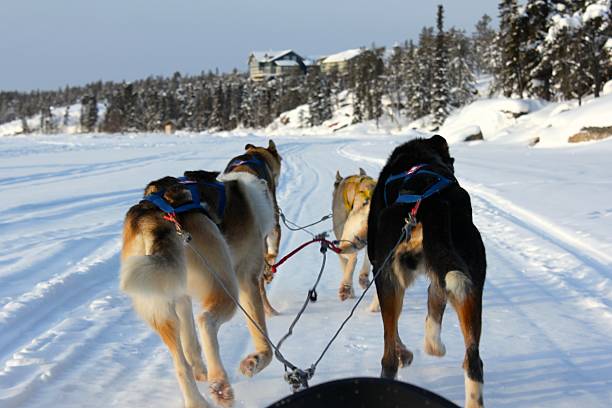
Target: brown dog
{"points": [[223, 260], [350, 208], [265, 164]]}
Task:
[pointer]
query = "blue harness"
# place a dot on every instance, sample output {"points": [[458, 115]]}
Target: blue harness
{"points": [[157, 198], [253, 162], [404, 198]]}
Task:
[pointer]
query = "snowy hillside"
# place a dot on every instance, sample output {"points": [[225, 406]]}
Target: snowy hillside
{"points": [[68, 335]]}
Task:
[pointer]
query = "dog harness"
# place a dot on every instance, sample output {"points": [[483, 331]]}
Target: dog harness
{"points": [[405, 198], [157, 198], [254, 163]]}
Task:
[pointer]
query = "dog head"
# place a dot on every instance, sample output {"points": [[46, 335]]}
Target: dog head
{"points": [[209, 194], [439, 144], [354, 191], [270, 155], [433, 151], [175, 193]]}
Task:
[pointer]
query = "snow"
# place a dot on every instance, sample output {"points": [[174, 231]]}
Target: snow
{"points": [[518, 121], [69, 335], [607, 88], [73, 125], [268, 56], [596, 10], [286, 63], [562, 22], [343, 56]]}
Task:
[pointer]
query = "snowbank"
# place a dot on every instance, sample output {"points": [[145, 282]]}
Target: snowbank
{"points": [[520, 121]]}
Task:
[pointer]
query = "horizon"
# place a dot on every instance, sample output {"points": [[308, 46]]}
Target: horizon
{"points": [[73, 44]]}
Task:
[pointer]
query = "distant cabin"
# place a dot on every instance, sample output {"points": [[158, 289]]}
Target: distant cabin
{"points": [[169, 127], [270, 64], [340, 62]]}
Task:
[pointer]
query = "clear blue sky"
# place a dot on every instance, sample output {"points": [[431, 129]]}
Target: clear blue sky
{"points": [[47, 44]]}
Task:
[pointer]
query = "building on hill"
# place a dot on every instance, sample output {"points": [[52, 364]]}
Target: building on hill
{"points": [[270, 64], [339, 62], [169, 127]]}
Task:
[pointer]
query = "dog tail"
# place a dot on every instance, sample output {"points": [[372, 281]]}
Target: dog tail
{"points": [[153, 262], [258, 196]]}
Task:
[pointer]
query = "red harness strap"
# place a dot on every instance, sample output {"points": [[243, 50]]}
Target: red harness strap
{"points": [[327, 243]]}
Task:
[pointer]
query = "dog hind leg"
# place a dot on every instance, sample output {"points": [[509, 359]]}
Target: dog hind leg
{"points": [[364, 273], [217, 312], [346, 284], [162, 317], [189, 339], [251, 301], [436, 303], [469, 311], [390, 295]]}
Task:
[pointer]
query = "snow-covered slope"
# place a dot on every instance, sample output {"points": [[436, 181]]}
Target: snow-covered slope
{"points": [[69, 338], [519, 121], [66, 119]]}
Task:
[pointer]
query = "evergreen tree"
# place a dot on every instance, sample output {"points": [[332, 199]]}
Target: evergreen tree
{"points": [[538, 67], [414, 101], [594, 34], [130, 106], [66, 120], [483, 40], [440, 93], [247, 114], [461, 81], [319, 103], [216, 116], [396, 77], [510, 75], [114, 119], [562, 50], [425, 56], [47, 123]]}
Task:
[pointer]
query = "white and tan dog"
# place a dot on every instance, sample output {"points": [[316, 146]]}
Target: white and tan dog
{"points": [[350, 208], [162, 275], [264, 163]]}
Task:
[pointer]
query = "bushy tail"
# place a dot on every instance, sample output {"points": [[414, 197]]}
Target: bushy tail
{"points": [[257, 194], [161, 273]]}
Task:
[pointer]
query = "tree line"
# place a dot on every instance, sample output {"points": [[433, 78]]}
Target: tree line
{"points": [[549, 49]]}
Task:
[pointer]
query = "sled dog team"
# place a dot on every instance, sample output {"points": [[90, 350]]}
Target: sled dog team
{"points": [[211, 237]]}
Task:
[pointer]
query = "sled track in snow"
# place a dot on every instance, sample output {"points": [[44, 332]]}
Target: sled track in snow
{"points": [[68, 335]]}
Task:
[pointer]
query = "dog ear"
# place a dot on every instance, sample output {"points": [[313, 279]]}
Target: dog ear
{"points": [[338, 176], [249, 146], [272, 146], [441, 147], [440, 144], [362, 172]]}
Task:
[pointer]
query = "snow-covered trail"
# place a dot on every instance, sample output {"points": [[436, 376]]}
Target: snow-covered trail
{"points": [[68, 336]]}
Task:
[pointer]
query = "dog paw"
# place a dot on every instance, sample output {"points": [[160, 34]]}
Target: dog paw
{"points": [[364, 281], [434, 348], [222, 393], [198, 402], [404, 356], [254, 363], [346, 292], [200, 374]]}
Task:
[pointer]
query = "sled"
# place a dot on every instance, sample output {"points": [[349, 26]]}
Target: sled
{"points": [[364, 393]]}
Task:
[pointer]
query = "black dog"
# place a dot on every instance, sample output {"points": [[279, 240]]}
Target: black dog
{"points": [[417, 185]]}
